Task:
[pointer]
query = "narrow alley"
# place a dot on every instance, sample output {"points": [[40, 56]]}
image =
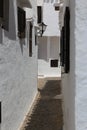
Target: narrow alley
{"points": [[43, 64], [46, 113]]}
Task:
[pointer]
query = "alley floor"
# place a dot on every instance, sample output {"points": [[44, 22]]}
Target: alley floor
{"points": [[46, 112]]}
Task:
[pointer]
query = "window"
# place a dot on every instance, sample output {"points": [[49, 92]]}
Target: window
{"points": [[4, 14], [35, 39], [54, 63], [39, 14], [57, 8], [62, 47], [21, 23], [1, 8], [65, 42], [0, 113], [1, 12], [30, 40]]}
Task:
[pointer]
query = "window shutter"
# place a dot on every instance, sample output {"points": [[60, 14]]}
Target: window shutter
{"points": [[30, 40], [62, 47], [1, 8], [39, 14], [67, 40], [0, 113], [35, 39], [21, 22], [6, 15]]}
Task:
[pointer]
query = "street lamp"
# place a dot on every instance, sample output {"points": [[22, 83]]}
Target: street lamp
{"points": [[42, 28]]}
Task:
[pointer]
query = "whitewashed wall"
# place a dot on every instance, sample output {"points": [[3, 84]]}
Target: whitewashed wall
{"points": [[40, 2], [69, 80], [81, 65], [48, 49], [50, 18], [75, 83], [18, 73]]}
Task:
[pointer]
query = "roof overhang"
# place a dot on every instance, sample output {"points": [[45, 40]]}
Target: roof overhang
{"points": [[25, 3]]}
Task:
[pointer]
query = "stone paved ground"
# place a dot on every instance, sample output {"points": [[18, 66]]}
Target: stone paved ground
{"points": [[46, 113]]}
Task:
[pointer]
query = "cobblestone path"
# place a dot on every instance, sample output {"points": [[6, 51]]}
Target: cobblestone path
{"points": [[46, 113]]}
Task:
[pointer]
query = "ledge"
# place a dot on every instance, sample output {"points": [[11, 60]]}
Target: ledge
{"points": [[25, 3]]}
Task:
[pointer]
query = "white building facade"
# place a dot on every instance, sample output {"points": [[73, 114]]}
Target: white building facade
{"points": [[48, 47], [74, 83], [18, 66]]}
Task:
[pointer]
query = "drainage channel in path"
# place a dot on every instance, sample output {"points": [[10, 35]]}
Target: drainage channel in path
{"points": [[46, 113]]}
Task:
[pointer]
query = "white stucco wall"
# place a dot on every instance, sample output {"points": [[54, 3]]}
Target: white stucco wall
{"points": [[69, 80], [48, 49], [75, 83], [81, 65], [18, 73], [50, 18], [40, 2]]}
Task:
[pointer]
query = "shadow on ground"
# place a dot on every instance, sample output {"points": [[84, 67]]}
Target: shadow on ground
{"points": [[47, 111], [50, 88]]}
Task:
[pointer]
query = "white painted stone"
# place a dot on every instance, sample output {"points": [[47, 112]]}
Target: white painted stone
{"points": [[81, 65], [39, 2], [18, 73], [50, 18], [49, 47], [45, 54], [75, 83]]}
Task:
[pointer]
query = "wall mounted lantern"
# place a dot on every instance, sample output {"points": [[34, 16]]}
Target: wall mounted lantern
{"points": [[40, 28]]}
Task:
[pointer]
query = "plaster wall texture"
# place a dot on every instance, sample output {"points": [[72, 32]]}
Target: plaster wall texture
{"points": [[39, 2], [50, 18], [81, 65], [48, 49], [18, 73], [69, 80], [75, 83], [34, 10]]}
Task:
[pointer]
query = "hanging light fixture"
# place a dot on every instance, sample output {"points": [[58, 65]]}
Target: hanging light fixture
{"points": [[42, 28]]}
